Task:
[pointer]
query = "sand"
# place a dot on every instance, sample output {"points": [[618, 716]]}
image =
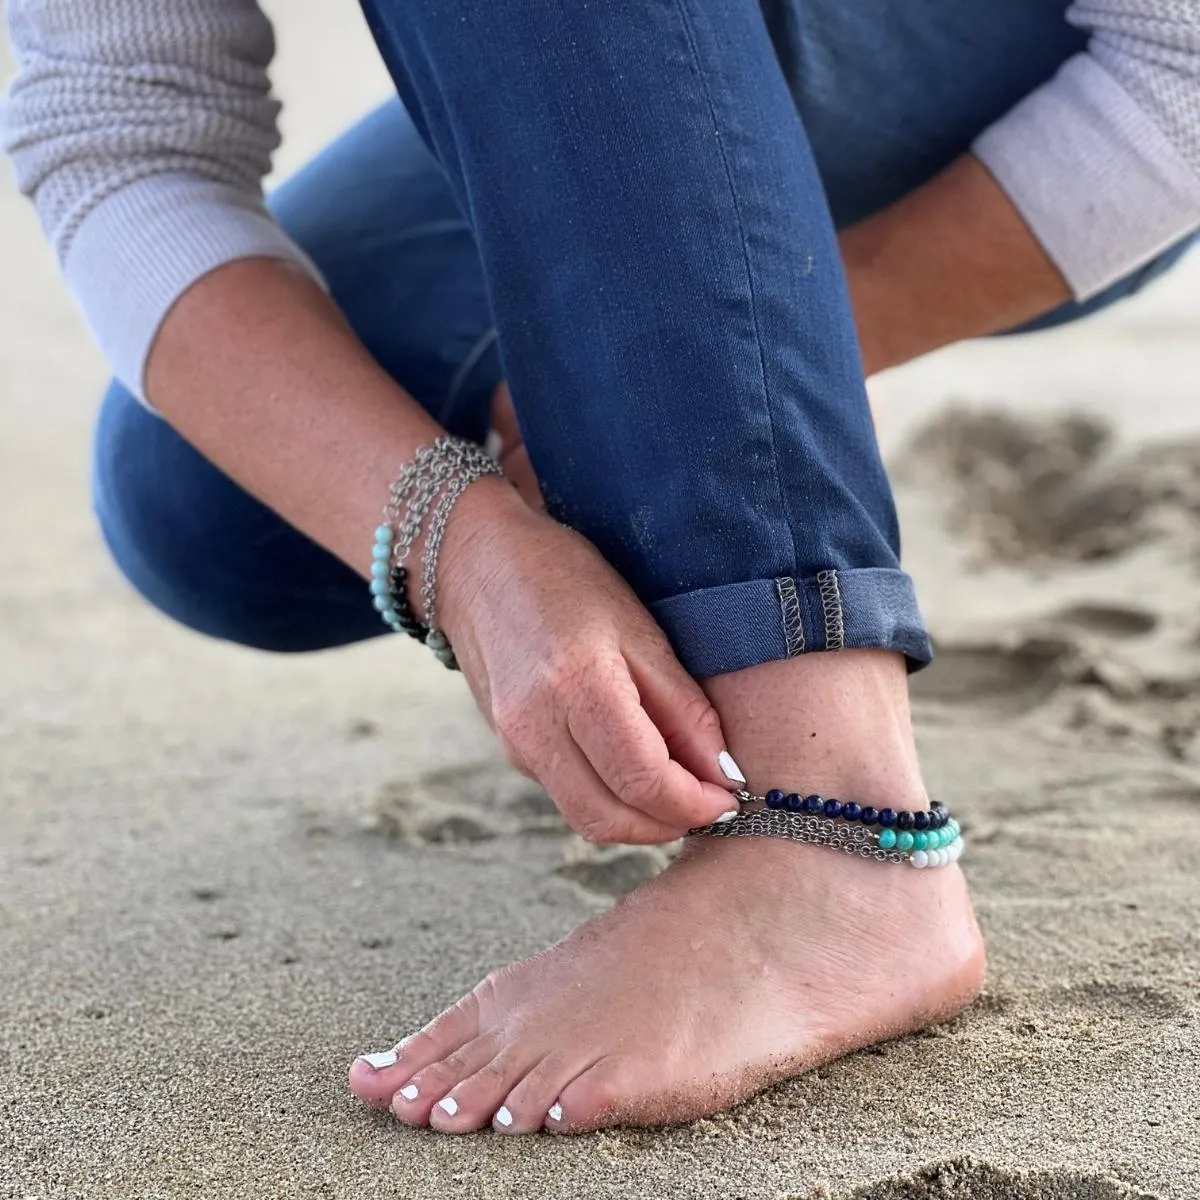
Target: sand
{"points": [[222, 873]]}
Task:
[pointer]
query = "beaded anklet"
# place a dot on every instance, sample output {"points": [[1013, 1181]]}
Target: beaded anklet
{"points": [[931, 838]]}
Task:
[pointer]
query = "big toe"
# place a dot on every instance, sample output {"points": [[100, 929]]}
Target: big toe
{"points": [[377, 1077]]}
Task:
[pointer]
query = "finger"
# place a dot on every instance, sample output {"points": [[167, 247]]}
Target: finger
{"points": [[683, 714], [630, 755], [590, 807]]}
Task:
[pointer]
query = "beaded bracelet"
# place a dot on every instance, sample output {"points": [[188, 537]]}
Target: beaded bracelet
{"points": [[444, 469], [846, 827]]}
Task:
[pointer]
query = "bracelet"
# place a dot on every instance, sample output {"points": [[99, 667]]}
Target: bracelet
{"points": [[444, 469], [847, 827]]}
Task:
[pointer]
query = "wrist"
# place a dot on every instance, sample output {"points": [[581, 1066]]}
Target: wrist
{"points": [[472, 548]]}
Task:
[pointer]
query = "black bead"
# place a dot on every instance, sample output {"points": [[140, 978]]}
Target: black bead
{"points": [[887, 817], [920, 820], [869, 815], [904, 820], [851, 811], [793, 802], [943, 818], [814, 804], [774, 798], [833, 808]]}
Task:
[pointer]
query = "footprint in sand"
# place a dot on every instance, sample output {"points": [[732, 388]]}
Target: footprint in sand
{"points": [[969, 1179], [1050, 489], [1116, 1001], [614, 873], [457, 805]]}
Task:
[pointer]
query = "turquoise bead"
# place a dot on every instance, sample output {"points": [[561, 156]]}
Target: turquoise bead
{"points": [[920, 841], [380, 552], [383, 535], [380, 587], [384, 604], [435, 639], [445, 655], [904, 841], [939, 839], [887, 839], [379, 568]]}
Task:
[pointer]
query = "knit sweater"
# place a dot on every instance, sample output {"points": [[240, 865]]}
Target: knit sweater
{"points": [[143, 132]]}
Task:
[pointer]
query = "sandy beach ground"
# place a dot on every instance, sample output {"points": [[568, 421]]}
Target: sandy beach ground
{"points": [[222, 874]]}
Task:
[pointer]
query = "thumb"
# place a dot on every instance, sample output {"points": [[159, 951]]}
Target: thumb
{"points": [[684, 716]]}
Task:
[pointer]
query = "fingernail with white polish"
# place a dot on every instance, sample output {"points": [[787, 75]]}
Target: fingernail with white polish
{"points": [[504, 1117], [493, 444], [555, 1113], [729, 768], [380, 1059], [728, 816], [409, 1091], [448, 1105]]}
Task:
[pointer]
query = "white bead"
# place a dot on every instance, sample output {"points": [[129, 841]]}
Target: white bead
{"points": [[920, 859]]}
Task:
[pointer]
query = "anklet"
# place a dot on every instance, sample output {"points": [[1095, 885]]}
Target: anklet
{"points": [[846, 827]]}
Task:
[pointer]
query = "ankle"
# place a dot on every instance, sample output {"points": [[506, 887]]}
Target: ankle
{"points": [[833, 723]]}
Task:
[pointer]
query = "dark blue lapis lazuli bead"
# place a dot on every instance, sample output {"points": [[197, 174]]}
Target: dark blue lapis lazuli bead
{"points": [[921, 820], [814, 804], [793, 802], [904, 820], [833, 808], [869, 815], [774, 798], [887, 817], [851, 811]]}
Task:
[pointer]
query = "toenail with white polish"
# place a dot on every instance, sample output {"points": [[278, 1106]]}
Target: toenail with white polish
{"points": [[555, 1113], [409, 1091], [726, 816], [380, 1059], [504, 1117], [448, 1105], [729, 768]]}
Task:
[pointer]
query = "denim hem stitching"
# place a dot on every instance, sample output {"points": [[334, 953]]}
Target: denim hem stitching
{"points": [[831, 605], [793, 623]]}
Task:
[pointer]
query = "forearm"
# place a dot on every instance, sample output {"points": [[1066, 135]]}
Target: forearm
{"points": [[257, 369], [951, 260]]}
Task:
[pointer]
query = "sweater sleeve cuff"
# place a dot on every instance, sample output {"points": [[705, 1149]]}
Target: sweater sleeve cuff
{"points": [[1098, 182], [141, 248]]}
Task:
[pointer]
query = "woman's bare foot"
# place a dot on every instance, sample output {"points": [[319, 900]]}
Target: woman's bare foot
{"points": [[746, 962]]}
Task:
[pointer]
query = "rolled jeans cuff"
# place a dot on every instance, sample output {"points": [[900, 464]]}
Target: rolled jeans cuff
{"points": [[720, 629]]}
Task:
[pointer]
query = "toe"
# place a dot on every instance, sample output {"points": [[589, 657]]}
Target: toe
{"points": [[474, 1101], [599, 1097], [530, 1101], [376, 1077], [445, 1034], [415, 1100]]}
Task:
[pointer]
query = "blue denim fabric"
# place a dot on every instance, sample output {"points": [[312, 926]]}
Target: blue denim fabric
{"points": [[648, 256]]}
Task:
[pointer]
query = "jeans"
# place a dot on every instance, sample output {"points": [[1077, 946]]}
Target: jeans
{"points": [[630, 215]]}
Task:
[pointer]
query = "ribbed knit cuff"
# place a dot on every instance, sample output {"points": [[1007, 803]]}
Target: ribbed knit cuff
{"points": [[1102, 187], [139, 250]]}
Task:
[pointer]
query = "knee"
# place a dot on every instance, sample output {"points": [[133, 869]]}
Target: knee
{"points": [[158, 505]]}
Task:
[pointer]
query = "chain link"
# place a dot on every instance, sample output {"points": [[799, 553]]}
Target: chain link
{"points": [[450, 461], [437, 530], [800, 827]]}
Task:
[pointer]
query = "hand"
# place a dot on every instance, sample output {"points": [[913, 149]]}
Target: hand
{"points": [[574, 675]]}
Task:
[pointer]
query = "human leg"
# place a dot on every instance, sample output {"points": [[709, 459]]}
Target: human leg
{"points": [[675, 330], [375, 214]]}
